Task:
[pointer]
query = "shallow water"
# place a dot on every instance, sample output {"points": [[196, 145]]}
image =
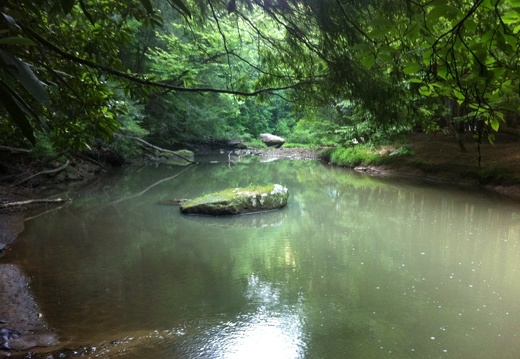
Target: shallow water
{"points": [[353, 267]]}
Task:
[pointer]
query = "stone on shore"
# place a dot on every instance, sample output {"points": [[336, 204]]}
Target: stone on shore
{"points": [[239, 201], [272, 140], [20, 312]]}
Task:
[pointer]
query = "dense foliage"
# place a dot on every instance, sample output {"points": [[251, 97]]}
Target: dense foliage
{"points": [[73, 72]]}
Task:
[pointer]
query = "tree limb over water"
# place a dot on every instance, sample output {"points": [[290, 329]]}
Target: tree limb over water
{"points": [[154, 147], [147, 82]]}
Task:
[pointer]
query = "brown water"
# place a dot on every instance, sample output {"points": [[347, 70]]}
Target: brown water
{"points": [[354, 267]]}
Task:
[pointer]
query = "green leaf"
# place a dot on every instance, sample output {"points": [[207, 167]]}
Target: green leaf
{"points": [[148, 6], [16, 40], [412, 69], [442, 72], [488, 35], [441, 10], [427, 57], [86, 12], [378, 33], [10, 20], [179, 5], [26, 77], [67, 5], [494, 124], [460, 96], [510, 17], [470, 25], [368, 61], [487, 4], [16, 113], [425, 91]]}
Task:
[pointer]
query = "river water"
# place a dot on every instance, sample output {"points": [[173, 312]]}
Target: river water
{"points": [[353, 267]]}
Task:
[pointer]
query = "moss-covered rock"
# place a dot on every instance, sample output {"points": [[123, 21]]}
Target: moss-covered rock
{"points": [[239, 201]]}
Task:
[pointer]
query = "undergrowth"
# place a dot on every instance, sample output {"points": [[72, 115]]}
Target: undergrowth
{"points": [[356, 156]]}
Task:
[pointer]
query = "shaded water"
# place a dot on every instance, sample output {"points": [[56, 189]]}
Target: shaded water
{"points": [[354, 267]]}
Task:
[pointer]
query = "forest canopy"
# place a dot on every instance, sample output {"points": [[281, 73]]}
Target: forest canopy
{"points": [[73, 72]]}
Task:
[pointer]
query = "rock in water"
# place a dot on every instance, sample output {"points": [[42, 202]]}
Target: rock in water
{"points": [[239, 201], [272, 140]]}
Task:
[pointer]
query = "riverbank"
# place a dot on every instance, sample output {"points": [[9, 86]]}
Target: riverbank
{"points": [[438, 158]]}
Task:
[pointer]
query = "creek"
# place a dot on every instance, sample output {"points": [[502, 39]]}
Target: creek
{"points": [[353, 267]]}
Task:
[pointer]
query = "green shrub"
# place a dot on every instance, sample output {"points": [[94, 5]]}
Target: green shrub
{"points": [[496, 174], [354, 156], [43, 148]]}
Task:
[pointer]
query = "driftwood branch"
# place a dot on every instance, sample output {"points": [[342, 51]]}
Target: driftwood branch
{"points": [[56, 170], [32, 201], [154, 147]]}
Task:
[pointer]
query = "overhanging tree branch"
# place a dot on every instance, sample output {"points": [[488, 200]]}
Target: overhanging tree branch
{"points": [[147, 82]]}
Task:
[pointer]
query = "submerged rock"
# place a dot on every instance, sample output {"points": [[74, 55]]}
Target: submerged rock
{"points": [[173, 201], [239, 201]]}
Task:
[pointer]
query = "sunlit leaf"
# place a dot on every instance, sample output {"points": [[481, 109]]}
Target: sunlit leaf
{"points": [[510, 17], [425, 91], [494, 124], [412, 69]]}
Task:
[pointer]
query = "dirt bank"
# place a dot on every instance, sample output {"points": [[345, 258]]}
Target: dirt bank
{"points": [[438, 158]]}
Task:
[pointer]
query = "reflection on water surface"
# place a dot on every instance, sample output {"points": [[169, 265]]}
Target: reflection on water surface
{"points": [[354, 267]]}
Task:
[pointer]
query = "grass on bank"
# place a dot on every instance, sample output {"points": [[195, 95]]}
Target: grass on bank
{"points": [[362, 155], [356, 156]]}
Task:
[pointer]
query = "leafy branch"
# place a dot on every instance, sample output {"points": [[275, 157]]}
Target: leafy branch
{"points": [[147, 82]]}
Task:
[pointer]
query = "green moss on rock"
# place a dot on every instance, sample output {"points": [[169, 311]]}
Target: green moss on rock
{"points": [[238, 201]]}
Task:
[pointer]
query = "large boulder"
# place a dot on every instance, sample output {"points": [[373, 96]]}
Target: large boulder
{"points": [[238, 201], [272, 140]]}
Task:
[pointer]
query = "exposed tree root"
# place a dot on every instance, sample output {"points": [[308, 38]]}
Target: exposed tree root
{"points": [[56, 170], [14, 150], [91, 160]]}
